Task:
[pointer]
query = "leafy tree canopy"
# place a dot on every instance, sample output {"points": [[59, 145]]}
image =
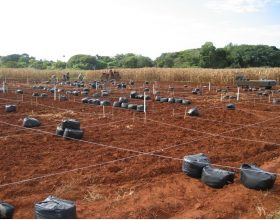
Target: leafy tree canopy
{"points": [[208, 56]]}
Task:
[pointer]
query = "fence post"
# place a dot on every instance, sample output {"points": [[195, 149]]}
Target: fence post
{"points": [[54, 94], [238, 93], [185, 115], [4, 87], [145, 112]]}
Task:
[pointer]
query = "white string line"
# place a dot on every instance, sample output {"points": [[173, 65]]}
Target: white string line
{"points": [[128, 109], [122, 109], [259, 102], [72, 110], [129, 119], [104, 124], [198, 139], [61, 108], [15, 135], [64, 109], [58, 108], [222, 122], [225, 110], [142, 88], [242, 108], [85, 104], [251, 112], [203, 132], [89, 105], [14, 100], [205, 119], [112, 90], [220, 107], [42, 130], [47, 126], [115, 90], [64, 172], [89, 113], [89, 142], [219, 135], [271, 112], [184, 128], [68, 110], [140, 154], [188, 129]]}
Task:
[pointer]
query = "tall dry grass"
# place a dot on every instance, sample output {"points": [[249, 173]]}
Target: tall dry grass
{"points": [[195, 75], [34, 74]]}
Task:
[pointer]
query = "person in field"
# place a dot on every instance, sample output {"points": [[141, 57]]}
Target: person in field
{"points": [[81, 77], [53, 79], [67, 77], [64, 78]]}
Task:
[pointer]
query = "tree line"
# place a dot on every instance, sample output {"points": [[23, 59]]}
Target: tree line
{"points": [[208, 56]]}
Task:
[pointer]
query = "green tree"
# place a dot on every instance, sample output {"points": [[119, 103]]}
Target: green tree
{"points": [[165, 60], [207, 55], [130, 62], [59, 65], [81, 61]]}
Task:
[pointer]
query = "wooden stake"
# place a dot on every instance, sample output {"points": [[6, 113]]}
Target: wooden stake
{"points": [[144, 101], [269, 99], [4, 87], [145, 107], [103, 111], [145, 119], [133, 117], [36, 101], [238, 93], [185, 115], [54, 94], [22, 97]]}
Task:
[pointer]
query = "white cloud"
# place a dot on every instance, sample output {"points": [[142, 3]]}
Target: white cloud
{"points": [[238, 6]]}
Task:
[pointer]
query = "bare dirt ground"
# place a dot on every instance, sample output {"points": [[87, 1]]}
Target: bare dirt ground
{"points": [[120, 178]]}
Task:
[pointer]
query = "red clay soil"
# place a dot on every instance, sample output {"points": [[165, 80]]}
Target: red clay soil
{"points": [[143, 185]]}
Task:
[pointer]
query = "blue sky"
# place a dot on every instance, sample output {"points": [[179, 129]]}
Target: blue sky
{"points": [[50, 29]]}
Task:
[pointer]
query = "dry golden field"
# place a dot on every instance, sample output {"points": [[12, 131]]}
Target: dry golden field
{"points": [[195, 75]]}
